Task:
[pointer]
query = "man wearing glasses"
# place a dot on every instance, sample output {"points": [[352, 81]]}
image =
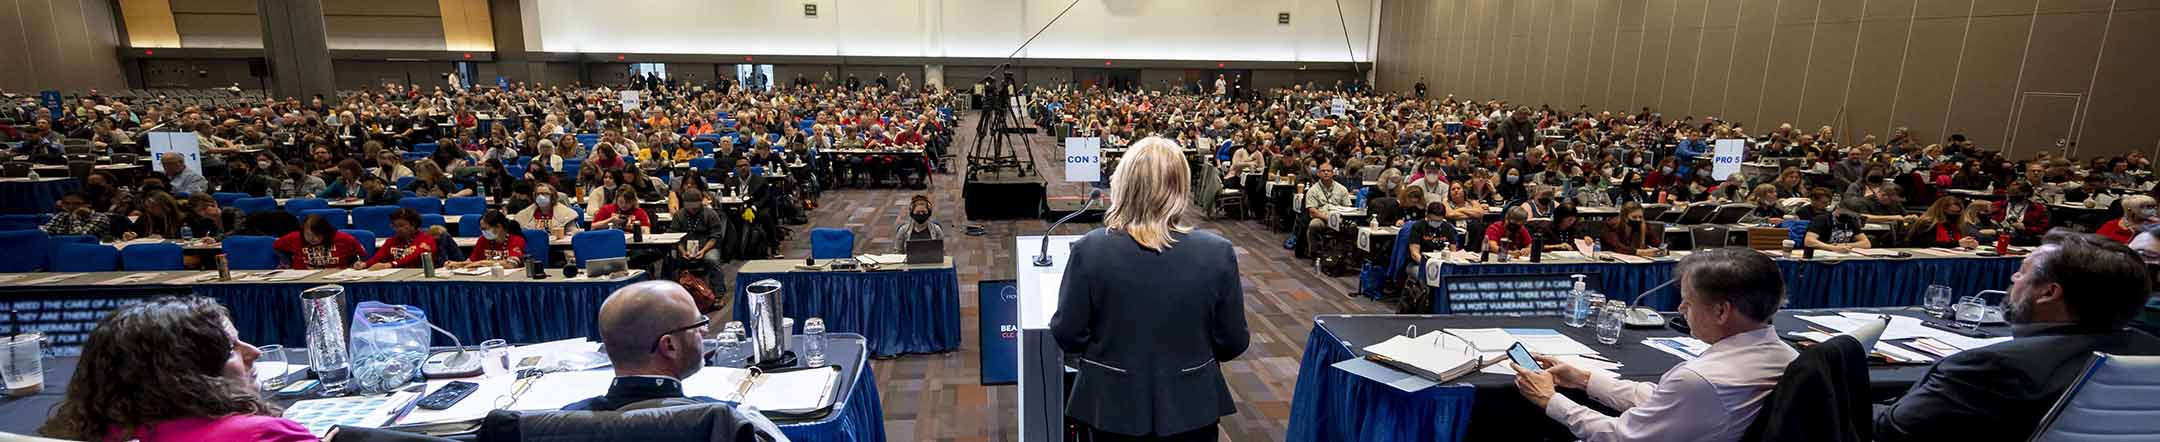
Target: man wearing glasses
{"points": [[652, 332]]}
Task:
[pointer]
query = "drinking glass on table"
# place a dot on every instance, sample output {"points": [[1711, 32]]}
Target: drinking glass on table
{"points": [[272, 366], [495, 355], [1937, 299], [1970, 312], [22, 364]]}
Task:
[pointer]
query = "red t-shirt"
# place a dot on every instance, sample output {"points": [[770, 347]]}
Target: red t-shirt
{"points": [[1519, 236], [340, 253], [403, 253], [608, 212], [2114, 230], [513, 249]]}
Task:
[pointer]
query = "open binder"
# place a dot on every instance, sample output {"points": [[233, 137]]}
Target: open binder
{"points": [[1438, 356]]}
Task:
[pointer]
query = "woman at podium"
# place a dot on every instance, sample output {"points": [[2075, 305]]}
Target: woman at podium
{"points": [[1149, 309]]}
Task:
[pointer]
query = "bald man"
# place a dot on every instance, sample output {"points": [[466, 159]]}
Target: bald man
{"points": [[653, 334]]}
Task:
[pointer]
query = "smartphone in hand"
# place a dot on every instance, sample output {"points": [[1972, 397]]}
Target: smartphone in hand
{"points": [[1521, 356]]}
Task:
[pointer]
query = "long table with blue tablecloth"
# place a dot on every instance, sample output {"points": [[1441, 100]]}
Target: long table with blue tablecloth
{"points": [[1844, 281], [1332, 405], [22, 196], [901, 308], [475, 307]]}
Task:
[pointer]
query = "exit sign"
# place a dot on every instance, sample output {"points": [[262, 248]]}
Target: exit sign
{"points": [[809, 10]]}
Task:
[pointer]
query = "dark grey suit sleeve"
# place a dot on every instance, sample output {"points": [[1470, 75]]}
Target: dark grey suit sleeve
{"points": [[1230, 337], [1075, 314], [1960, 392]]}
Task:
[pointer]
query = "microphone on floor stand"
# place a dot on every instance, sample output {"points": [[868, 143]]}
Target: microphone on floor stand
{"points": [[1042, 257]]}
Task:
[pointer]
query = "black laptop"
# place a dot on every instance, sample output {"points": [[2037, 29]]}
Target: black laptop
{"points": [[925, 251]]}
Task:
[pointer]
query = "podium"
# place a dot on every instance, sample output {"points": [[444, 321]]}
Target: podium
{"points": [[1042, 366]]}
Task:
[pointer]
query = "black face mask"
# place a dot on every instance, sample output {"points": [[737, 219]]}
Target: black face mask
{"points": [[921, 217]]}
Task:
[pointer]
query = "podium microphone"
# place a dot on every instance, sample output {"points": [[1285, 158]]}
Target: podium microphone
{"points": [[1042, 257]]}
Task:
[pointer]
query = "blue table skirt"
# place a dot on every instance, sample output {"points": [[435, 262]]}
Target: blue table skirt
{"points": [[909, 311], [1333, 405], [19, 197], [1808, 284], [520, 312], [861, 418]]}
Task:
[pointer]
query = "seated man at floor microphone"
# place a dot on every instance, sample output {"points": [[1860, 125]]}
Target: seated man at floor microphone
{"points": [[1728, 296]]}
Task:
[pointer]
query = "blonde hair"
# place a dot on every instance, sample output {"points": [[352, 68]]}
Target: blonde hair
{"points": [[1149, 193], [2132, 204]]}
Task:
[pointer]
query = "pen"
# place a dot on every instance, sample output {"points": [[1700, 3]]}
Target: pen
{"points": [[1598, 358]]}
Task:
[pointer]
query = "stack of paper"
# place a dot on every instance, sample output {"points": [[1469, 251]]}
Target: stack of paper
{"points": [[1542, 341], [1685, 348], [1901, 328], [1429, 356], [321, 415], [798, 391]]}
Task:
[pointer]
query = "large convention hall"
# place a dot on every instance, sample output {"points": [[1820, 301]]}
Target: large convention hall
{"points": [[1079, 220]]}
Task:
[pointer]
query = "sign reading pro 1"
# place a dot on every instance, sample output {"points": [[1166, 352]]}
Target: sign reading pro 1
{"points": [[1083, 159], [1726, 158]]}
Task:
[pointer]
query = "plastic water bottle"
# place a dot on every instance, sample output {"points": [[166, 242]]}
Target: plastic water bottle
{"points": [[1578, 303], [187, 232], [813, 333]]}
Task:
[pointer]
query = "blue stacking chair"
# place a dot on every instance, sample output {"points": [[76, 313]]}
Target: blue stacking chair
{"points": [[405, 182], [373, 219], [570, 166], [255, 205], [424, 148], [589, 140], [298, 207], [92, 257], [422, 205], [431, 220], [367, 241], [522, 161], [407, 194], [757, 170], [26, 250], [53, 246], [598, 244], [250, 252], [706, 146], [515, 170], [536, 246], [21, 222], [227, 198], [832, 243], [337, 217], [703, 163], [468, 226], [152, 256], [464, 205], [415, 156]]}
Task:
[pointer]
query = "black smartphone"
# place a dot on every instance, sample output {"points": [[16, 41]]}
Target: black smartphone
{"points": [[448, 395], [1521, 356]]}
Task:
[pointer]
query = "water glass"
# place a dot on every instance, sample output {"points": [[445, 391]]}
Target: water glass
{"points": [[1609, 322], [813, 332], [272, 366], [1970, 312], [22, 367], [728, 349], [495, 355], [1937, 300]]}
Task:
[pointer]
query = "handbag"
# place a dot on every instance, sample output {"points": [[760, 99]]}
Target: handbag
{"points": [[700, 292]]}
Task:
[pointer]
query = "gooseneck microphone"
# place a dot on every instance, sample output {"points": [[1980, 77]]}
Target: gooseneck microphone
{"points": [[1042, 257]]}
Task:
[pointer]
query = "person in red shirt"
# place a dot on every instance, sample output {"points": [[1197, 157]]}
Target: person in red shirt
{"points": [[405, 245], [502, 244], [623, 213], [1511, 234], [2137, 212], [318, 245]]}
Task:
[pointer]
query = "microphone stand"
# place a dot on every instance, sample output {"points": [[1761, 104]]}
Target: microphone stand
{"points": [[1643, 316], [1042, 256]]}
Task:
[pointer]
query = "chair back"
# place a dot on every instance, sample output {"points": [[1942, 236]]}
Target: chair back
{"points": [[589, 140], [536, 246], [125, 158], [1766, 238], [373, 218], [255, 205], [832, 243], [2112, 401], [1708, 237], [15, 169], [338, 217], [681, 423], [422, 205], [468, 226], [425, 148], [250, 252], [464, 205], [27, 249], [53, 254], [81, 169], [1653, 211], [1823, 397], [1697, 213], [91, 257], [22, 221], [152, 256], [1731, 213], [299, 206], [225, 199], [404, 182], [366, 239], [434, 220], [598, 244]]}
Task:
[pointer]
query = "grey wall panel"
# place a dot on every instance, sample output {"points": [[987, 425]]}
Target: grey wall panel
{"points": [[384, 32], [1878, 67], [2119, 117], [218, 30], [1987, 85]]}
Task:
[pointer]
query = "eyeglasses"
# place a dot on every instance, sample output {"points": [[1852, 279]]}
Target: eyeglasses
{"points": [[702, 322]]}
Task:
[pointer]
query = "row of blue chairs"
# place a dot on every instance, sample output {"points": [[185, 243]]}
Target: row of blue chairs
{"points": [[32, 250]]}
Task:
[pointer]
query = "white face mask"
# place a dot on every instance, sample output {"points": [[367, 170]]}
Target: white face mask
{"points": [[490, 235], [543, 200]]}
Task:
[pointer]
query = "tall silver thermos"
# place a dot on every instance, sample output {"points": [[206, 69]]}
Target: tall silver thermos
{"points": [[323, 308], [768, 336]]}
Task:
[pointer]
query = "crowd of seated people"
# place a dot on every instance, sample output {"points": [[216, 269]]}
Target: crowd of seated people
{"points": [[552, 158]]}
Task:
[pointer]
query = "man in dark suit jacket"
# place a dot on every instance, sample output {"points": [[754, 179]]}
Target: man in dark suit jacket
{"points": [[651, 332], [2071, 297]]}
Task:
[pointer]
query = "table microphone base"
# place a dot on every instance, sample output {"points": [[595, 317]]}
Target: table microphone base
{"points": [[1640, 317], [786, 360]]}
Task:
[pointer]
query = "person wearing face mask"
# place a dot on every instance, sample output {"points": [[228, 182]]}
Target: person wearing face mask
{"points": [[502, 244], [1511, 185], [918, 227], [547, 212], [1840, 229], [1512, 234], [1728, 296], [2028, 221], [75, 217], [319, 245], [2138, 212], [2072, 297], [1430, 233], [1625, 234], [1542, 200], [407, 242]]}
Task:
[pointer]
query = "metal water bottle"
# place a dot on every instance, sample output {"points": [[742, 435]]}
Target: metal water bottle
{"points": [[224, 268], [769, 337], [427, 265], [323, 307]]}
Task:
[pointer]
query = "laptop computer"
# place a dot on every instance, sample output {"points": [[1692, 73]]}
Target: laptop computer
{"points": [[926, 251]]}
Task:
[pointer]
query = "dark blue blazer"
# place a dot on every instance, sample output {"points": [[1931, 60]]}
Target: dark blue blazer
{"points": [[1148, 331]]}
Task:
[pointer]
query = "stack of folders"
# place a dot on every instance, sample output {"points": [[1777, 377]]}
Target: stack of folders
{"points": [[1433, 356]]}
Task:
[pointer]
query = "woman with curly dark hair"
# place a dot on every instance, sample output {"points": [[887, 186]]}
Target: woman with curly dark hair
{"points": [[168, 369]]}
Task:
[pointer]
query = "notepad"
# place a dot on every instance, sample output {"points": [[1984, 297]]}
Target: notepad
{"points": [[797, 391]]}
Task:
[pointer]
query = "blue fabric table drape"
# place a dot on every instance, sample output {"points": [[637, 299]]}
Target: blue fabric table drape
{"points": [[906, 311], [520, 312], [1808, 284], [1335, 406], [859, 417], [28, 197]]}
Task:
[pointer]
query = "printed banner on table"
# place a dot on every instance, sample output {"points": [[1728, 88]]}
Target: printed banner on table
{"points": [[999, 303], [1727, 158], [1083, 159]]}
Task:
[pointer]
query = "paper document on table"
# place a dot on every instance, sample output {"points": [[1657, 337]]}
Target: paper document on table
{"points": [[56, 277], [1907, 327], [795, 391], [11, 278], [1630, 259], [1901, 355], [356, 274], [1569, 254], [1547, 341], [1502, 368], [1430, 356], [1885, 253], [129, 279], [1486, 340], [474, 271], [1685, 348], [194, 278], [552, 391], [280, 275], [320, 415], [1366, 368], [567, 354]]}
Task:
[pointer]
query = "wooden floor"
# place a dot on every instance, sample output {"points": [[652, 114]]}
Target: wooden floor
{"points": [[937, 397]]}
